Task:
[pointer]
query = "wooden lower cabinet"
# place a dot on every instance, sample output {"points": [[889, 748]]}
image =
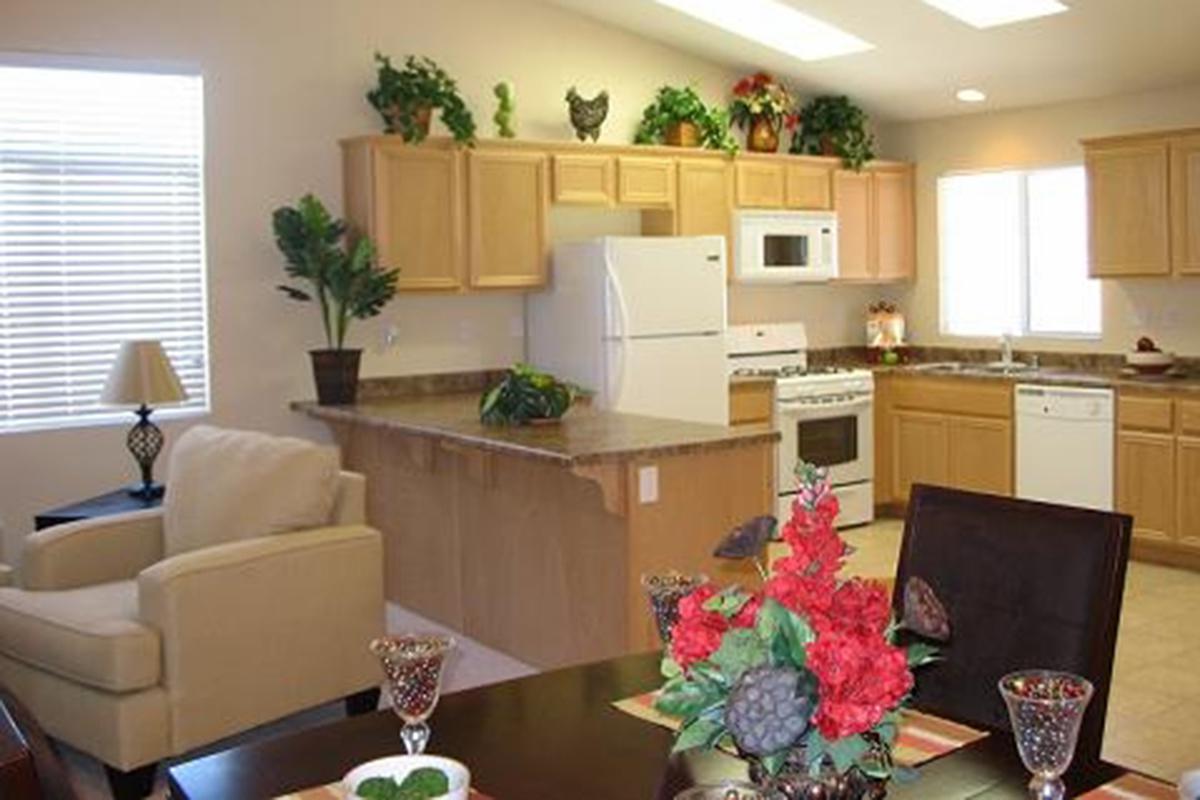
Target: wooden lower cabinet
{"points": [[1146, 483], [981, 454], [751, 403], [1187, 476], [920, 451]]}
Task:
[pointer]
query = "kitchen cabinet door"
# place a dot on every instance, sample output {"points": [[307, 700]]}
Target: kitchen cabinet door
{"points": [[893, 224], [751, 403], [646, 182], [1185, 205], [1146, 469], [981, 455], [1187, 491], [920, 451], [409, 200], [1128, 209], [852, 200], [808, 186], [509, 204], [760, 184], [585, 180], [705, 204]]}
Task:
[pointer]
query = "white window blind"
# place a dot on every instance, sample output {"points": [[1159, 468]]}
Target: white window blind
{"points": [[1013, 254], [101, 235]]}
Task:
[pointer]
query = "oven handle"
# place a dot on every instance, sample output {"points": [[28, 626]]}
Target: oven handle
{"points": [[859, 401]]}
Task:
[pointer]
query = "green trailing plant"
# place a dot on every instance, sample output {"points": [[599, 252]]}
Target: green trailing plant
{"points": [[673, 105], [342, 278], [505, 108], [833, 125], [402, 97], [525, 394]]}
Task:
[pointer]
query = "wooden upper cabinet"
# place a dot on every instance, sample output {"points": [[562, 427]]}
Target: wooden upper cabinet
{"points": [[1128, 219], [705, 200], [409, 201], [585, 180], [509, 204], [1185, 204], [852, 199], [760, 184], [646, 182], [808, 186], [894, 223]]}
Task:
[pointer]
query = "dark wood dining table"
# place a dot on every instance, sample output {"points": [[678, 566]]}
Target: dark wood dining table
{"points": [[556, 736]]}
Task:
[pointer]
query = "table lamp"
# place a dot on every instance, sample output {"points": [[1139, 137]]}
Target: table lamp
{"points": [[142, 376]]}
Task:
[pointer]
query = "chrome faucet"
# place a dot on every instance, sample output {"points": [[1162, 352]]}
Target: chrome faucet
{"points": [[1006, 348]]}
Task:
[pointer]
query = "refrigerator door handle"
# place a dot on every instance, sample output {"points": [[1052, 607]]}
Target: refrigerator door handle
{"points": [[616, 376]]}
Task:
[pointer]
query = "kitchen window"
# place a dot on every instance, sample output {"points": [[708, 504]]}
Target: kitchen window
{"points": [[1013, 254], [101, 234]]}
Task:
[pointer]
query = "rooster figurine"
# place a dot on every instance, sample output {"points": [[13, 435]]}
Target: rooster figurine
{"points": [[587, 115]]}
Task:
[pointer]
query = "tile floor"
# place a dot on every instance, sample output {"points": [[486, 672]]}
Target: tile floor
{"points": [[1154, 711]]}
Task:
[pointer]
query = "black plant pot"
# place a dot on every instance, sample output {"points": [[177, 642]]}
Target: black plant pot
{"points": [[336, 374]]}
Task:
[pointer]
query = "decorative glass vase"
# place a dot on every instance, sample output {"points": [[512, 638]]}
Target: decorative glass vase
{"points": [[1046, 709], [413, 665], [665, 590], [795, 783], [763, 136]]}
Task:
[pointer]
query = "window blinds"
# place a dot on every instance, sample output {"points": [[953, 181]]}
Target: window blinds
{"points": [[101, 235]]}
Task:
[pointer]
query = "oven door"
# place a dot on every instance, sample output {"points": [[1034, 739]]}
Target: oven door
{"points": [[838, 435]]}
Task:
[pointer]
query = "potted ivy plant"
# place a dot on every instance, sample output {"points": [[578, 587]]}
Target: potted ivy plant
{"points": [[834, 126], [678, 117], [406, 98], [343, 280]]}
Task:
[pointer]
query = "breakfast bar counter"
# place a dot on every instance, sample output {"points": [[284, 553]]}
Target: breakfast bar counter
{"points": [[532, 539]]}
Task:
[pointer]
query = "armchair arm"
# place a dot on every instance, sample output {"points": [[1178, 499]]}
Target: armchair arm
{"points": [[112, 548], [257, 629]]}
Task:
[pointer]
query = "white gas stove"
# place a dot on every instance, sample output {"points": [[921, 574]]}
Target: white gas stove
{"points": [[824, 415]]}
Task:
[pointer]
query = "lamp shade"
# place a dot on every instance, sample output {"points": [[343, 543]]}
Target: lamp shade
{"points": [[142, 375]]}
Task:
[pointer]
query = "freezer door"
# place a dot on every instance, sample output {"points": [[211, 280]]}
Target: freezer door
{"points": [[662, 286], [681, 377]]}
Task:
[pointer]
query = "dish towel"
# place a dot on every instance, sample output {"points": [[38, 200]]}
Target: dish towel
{"points": [[922, 737]]}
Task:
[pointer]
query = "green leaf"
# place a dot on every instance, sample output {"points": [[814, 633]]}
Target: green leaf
{"points": [[669, 668], [816, 747], [741, 649], [728, 602], [787, 634], [773, 763], [699, 733], [847, 751], [689, 698], [921, 653]]}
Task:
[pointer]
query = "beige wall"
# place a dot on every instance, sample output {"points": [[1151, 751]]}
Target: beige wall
{"points": [[284, 80], [1164, 309]]}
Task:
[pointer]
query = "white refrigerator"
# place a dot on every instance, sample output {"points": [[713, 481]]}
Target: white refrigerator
{"points": [[639, 321]]}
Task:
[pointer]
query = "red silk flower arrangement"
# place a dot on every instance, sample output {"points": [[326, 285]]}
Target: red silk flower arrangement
{"points": [[803, 675], [761, 96]]}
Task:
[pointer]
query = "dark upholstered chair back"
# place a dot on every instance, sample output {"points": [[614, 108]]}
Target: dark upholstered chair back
{"points": [[1026, 585], [29, 767]]}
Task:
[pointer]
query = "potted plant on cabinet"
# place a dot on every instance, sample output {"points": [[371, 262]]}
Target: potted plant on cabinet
{"points": [[762, 106], [406, 99], [344, 282], [678, 117], [834, 126]]}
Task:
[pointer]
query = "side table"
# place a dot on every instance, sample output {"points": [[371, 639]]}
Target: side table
{"points": [[115, 502]]}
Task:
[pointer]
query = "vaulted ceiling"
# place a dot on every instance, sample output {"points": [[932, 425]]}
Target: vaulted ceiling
{"points": [[921, 56]]}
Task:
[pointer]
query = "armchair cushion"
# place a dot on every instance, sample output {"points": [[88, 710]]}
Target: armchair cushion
{"points": [[89, 635], [229, 485]]}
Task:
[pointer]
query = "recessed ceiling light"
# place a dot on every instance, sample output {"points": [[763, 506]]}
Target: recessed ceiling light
{"points": [[990, 13], [970, 95], [776, 25]]}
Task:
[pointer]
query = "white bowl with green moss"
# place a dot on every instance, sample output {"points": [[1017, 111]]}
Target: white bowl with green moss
{"points": [[375, 778]]}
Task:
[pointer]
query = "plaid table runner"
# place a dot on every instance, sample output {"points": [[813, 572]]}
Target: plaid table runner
{"points": [[334, 791], [922, 737], [1133, 787]]}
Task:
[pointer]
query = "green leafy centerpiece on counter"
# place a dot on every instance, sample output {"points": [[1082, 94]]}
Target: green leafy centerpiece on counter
{"points": [[678, 117], [406, 98], [525, 395]]}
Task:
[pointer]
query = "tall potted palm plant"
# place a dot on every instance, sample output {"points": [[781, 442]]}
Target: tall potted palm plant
{"points": [[342, 279]]}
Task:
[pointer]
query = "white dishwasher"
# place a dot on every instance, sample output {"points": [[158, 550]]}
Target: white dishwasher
{"points": [[1065, 445]]}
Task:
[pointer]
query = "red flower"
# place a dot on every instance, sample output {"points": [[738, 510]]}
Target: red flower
{"points": [[860, 679], [809, 596], [791, 121], [861, 608], [761, 79], [743, 87], [697, 634]]}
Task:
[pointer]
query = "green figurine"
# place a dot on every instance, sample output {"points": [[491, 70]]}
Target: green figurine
{"points": [[504, 111]]}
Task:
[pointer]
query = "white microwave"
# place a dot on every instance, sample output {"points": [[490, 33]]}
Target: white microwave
{"points": [[785, 246]]}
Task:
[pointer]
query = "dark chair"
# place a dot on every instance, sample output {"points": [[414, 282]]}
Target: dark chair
{"points": [[30, 769], [1026, 585]]}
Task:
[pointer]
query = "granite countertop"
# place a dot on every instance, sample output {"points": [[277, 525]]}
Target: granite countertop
{"points": [[584, 436], [1054, 376]]}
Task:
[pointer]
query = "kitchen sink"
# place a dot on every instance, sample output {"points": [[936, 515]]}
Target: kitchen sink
{"points": [[1009, 367], [941, 366]]}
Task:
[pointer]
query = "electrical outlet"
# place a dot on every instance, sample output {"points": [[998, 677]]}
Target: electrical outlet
{"points": [[648, 485]]}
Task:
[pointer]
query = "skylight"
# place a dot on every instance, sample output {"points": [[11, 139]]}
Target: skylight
{"points": [[990, 13], [776, 25]]}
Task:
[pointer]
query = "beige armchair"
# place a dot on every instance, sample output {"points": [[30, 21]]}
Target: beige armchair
{"points": [[133, 657]]}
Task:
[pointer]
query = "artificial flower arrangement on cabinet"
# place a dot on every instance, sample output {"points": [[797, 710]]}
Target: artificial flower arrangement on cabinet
{"points": [[762, 106], [804, 677]]}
